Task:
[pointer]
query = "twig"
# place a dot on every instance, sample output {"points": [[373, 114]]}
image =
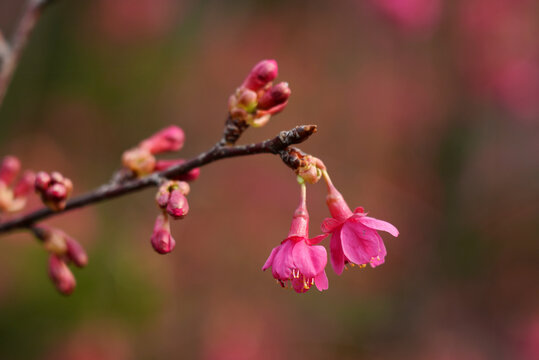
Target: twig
{"points": [[11, 53], [115, 189]]}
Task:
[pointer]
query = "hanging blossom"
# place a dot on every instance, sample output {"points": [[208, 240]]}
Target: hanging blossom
{"points": [[299, 259], [354, 236]]}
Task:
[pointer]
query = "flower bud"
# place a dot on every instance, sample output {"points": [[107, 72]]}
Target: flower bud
{"points": [[163, 195], [262, 73], [25, 184], [310, 168], [168, 139], [75, 252], [9, 169], [60, 275], [276, 95], [247, 100], [177, 206], [42, 181], [56, 192], [54, 241], [54, 189], [161, 239], [138, 160]]}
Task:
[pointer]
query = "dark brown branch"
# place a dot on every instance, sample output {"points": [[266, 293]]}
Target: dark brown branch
{"points": [[11, 53], [114, 189]]}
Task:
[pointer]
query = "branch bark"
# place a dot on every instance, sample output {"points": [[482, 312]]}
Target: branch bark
{"points": [[114, 189]]}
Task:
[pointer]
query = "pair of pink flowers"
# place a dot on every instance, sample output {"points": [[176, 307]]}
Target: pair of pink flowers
{"points": [[354, 239]]}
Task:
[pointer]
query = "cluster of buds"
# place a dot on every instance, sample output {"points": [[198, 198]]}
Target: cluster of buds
{"points": [[13, 198], [172, 201], [62, 250], [354, 235], [54, 189], [141, 159], [257, 99]]}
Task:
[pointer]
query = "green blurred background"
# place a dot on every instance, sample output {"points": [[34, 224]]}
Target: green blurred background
{"points": [[428, 115]]}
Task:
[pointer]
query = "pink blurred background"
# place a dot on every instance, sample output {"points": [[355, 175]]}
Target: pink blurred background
{"points": [[428, 114]]}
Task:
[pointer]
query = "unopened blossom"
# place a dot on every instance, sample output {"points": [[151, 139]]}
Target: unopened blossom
{"points": [[298, 259], [54, 189], [275, 98], [168, 139], [261, 74], [140, 161], [13, 196], [177, 206], [61, 276], [25, 184], [310, 169], [9, 168], [257, 99], [162, 241], [57, 242], [171, 198], [354, 235]]}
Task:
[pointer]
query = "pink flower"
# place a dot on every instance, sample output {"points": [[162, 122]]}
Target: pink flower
{"points": [[354, 236], [298, 259], [168, 139], [161, 239]]}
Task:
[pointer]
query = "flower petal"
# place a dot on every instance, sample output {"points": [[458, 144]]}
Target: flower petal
{"points": [[310, 260], [359, 243], [379, 225], [321, 281], [283, 261], [330, 224], [271, 256], [381, 258], [336, 253], [315, 240]]}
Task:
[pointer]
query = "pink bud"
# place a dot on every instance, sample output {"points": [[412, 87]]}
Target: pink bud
{"points": [[9, 169], [60, 275], [191, 175], [56, 177], [42, 181], [138, 160], [75, 252], [163, 195], [262, 73], [161, 239], [177, 206], [25, 184], [276, 95], [168, 139], [56, 192]]}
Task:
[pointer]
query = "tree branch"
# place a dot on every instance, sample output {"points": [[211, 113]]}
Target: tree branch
{"points": [[115, 189], [10, 54]]}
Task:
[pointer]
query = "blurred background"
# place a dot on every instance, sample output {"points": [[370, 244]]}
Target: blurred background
{"points": [[428, 114]]}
